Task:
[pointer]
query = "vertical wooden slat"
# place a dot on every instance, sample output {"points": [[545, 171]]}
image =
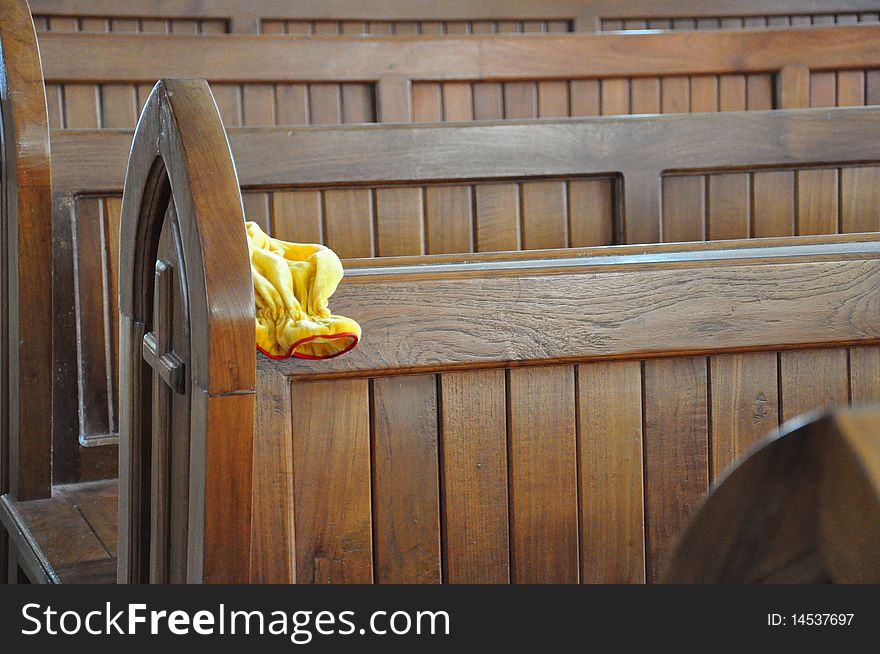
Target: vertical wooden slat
{"points": [[543, 475], [474, 464], [209, 26], [328, 27], [184, 26], [348, 222], [497, 217], [118, 106], [872, 87], [850, 88], [773, 201], [449, 219], [823, 91], [427, 98], [358, 103], [676, 449], [331, 472], [292, 104], [349, 27], [228, 99], [325, 104], [759, 91], [81, 106], [406, 489], [55, 106], [860, 199], [544, 215], [615, 97], [399, 221], [256, 208], [732, 93], [591, 212], [611, 484], [745, 404], [94, 25], [258, 102], [154, 25], [457, 101], [704, 93], [553, 99], [296, 216], [585, 97], [729, 206], [300, 27], [675, 93], [817, 201], [488, 101], [812, 380], [646, 95], [684, 208], [793, 87], [864, 374], [520, 100], [112, 211]]}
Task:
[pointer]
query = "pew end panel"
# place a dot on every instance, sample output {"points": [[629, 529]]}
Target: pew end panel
{"points": [[821, 523], [487, 388]]}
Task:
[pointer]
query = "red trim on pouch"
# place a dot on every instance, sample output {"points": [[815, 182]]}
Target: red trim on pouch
{"points": [[292, 352]]}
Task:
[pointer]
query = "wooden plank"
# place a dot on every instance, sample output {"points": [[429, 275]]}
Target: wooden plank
{"points": [[449, 219], [118, 106], [676, 450], [704, 93], [611, 485], [291, 104], [474, 464], [112, 211], [81, 106], [184, 26], [62, 532], [872, 87], [348, 222], [457, 101], [358, 103], [759, 91], [55, 105], [585, 97], [817, 201], [864, 374], [497, 217], [745, 405], [544, 215], [645, 95], [331, 462], [228, 99], [543, 475], [591, 212], [98, 504], [773, 203], [406, 489], [675, 95], [520, 100], [811, 380], [258, 105], [427, 100], [729, 206], [732, 93], [256, 208], [684, 208], [553, 99], [615, 97], [488, 101], [399, 221], [860, 199], [850, 88], [823, 89], [325, 106], [296, 216]]}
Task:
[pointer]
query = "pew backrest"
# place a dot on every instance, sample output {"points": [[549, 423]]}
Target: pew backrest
{"points": [[460, 17]]}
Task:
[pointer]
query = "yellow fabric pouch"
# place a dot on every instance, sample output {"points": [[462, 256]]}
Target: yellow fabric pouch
{"points": [[292, 283]]}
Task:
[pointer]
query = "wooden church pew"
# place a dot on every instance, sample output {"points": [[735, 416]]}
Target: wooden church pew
{"points": [[25, 250], [447, 189], [823, 525], [465, 16], [479, 380], [101, 80]]}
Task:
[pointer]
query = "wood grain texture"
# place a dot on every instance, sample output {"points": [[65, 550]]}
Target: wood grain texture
{"points": [[406, 482], [812, 380], [817, 201], [864, 374], [611, 485], [474, 460]]}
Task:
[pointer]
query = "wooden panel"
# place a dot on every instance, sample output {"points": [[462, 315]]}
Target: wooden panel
{"points": [[325, 104], [860, 199], [585, 97], [611, 490], [553, 99], [258, 105], [773, 201], [864, 373], [358, 103], [184, 26], [850, 88], [591, 212], [811, 380], [676, 450], [817, 201], [645, 95], [615, 97], [872, 87], [155, 25], [55, 106], [497, 217], [745, 404], [406, 490], [119, 106], [457, 101], [732, 93], [759, 91], [823, 89], [399, 222], [684, 208], [331, 461], [292, 104], [296, 216], [427, 102], [675, 94], [474, 464], [228, 98], [543, 475], [449, 219], [488, 101], [704, 93], [729, 206], [348, 222], [520, 100], [256, 208], [544, 215], [81, 106]]}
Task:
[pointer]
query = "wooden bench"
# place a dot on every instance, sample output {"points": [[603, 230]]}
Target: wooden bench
{"points": [[804, 507], [102, 80], [464, 16], [25, 226], [542, 416]]}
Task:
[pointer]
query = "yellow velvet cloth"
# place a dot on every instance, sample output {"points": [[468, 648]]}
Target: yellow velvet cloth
{"points": [[292, 283]]}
